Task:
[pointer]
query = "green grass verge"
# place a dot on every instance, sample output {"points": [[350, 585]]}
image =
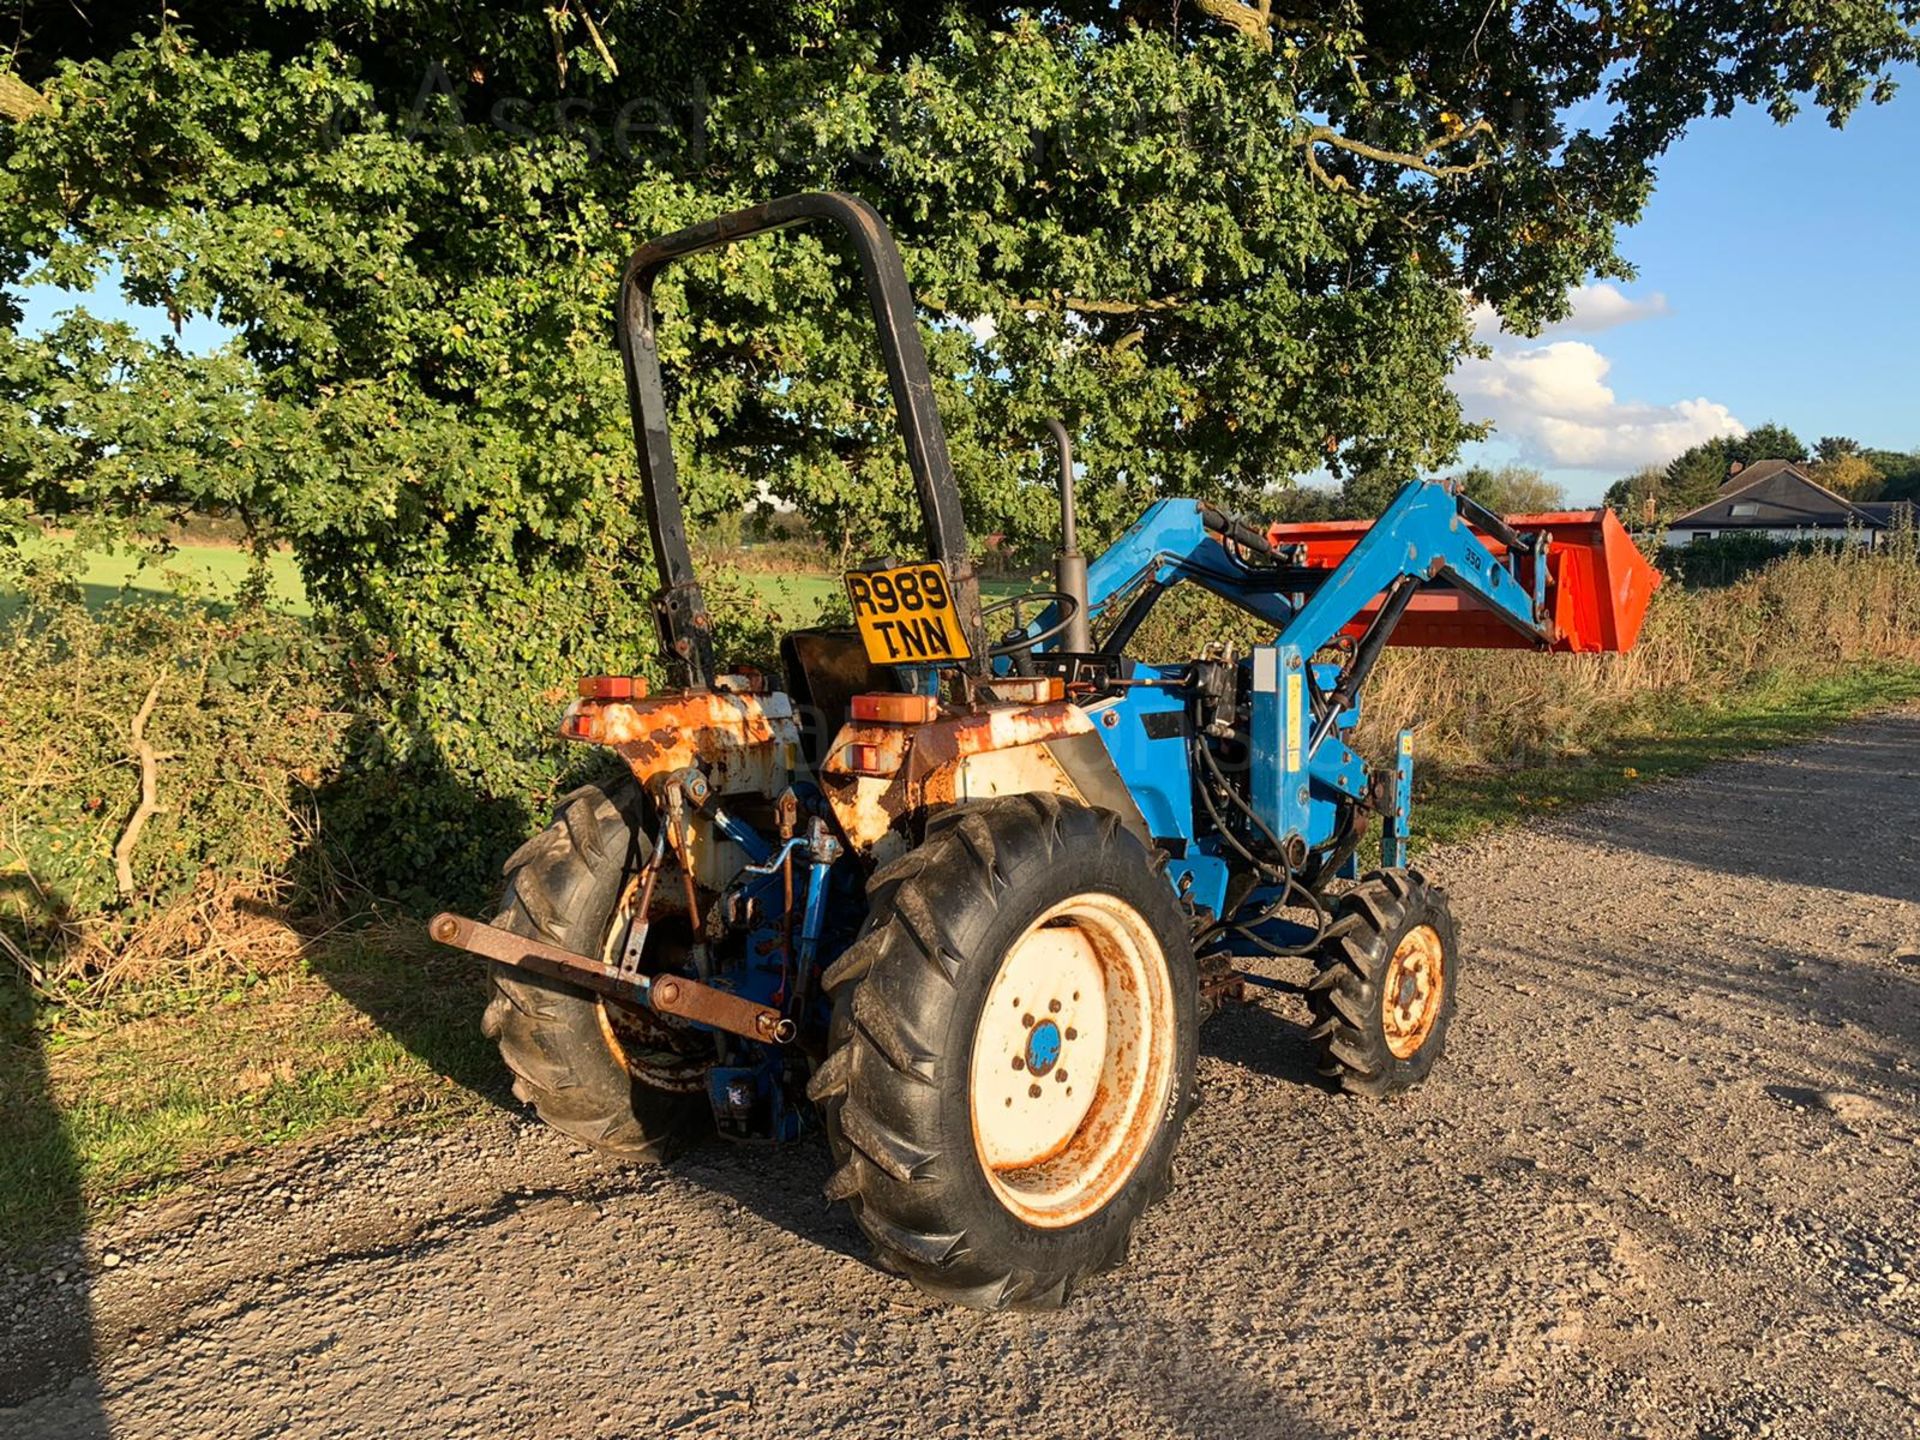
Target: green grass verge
{"points": [[210, 573], [378, 1029], [1664, 738], [99, 1109]]}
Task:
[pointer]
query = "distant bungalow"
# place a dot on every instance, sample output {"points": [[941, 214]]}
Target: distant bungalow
{"points": [[1778, 499]]}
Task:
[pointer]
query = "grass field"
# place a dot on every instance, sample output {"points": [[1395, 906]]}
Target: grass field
{"points": [[214, 573], [380, 1028]]}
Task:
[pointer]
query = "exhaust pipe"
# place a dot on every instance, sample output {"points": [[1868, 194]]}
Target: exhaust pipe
{"points": [[1070, 566]]}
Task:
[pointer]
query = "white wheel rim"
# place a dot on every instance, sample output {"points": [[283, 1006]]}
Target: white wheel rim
{"points": [[1416, 984], [1081, 1011]]}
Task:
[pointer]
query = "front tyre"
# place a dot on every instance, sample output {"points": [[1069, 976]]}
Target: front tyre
{"points": [[1383, 999], [1012, 1051]]}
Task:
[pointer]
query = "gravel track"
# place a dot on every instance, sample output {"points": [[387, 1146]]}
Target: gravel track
{"points": [[1667, 1183]]}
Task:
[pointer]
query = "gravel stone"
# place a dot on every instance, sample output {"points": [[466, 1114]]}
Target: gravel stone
{"points": [[1664, 1185]]}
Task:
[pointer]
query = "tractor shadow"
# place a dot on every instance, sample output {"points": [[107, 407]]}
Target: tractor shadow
{"points": [[781, 1184], [1255, 1035], [1840, 811], [1176, 1372], [407, 811], [46, 1306]]}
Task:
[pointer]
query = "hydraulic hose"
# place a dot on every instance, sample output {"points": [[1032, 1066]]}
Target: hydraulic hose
{"points": [[1289, 885]]}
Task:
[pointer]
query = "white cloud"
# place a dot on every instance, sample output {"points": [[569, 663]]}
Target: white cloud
{"points": [[1596, 308], [1551, 400], [1602, 307]]}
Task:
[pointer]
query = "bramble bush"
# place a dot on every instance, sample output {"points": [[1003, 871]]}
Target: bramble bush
{"points": [[241, 721], [273, 800]]}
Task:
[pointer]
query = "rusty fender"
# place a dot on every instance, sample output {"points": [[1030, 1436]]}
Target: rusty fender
{"points": [[908, 770], [743, 741]]}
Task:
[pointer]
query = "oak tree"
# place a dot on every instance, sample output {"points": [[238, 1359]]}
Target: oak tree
{"points": [[1230, 242]]}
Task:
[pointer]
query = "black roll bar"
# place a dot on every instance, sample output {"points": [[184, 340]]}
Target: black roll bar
{"points": [[679, 610]]}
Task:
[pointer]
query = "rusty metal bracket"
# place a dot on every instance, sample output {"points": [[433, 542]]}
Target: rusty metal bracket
{"points": [[666, 994], [705, 1005]]}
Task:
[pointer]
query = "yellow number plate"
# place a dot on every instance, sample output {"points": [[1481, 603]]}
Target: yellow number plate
{"points": [[906, 615]]}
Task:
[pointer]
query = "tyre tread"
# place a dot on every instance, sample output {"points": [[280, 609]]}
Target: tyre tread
{"points": [[548, 1032], [879, 1087], [1346, 1040]]}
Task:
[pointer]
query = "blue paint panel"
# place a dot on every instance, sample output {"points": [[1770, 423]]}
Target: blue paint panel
{"points": [[1278, 784], [1202, 879], [1393, 828], [1155, 770]]}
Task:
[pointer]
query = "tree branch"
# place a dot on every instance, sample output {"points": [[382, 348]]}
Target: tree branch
{"points": [[1420, 160], [19, 101], [1253, 19], [1100, 307], [149, 793], [599, 43]]}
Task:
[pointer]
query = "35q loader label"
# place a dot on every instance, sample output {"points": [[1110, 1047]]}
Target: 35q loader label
{"points": [[906, 615]]}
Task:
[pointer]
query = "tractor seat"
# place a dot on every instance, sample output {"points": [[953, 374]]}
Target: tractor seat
{"points": [[825, 669]]}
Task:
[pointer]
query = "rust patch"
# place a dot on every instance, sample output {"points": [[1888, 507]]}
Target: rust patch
{"points": [[705, 1005], [909, 770], [743, 738], [1219, 984], [1410, 1000]]}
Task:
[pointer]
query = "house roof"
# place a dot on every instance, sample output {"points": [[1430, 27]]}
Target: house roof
{"points": [[1781, 496], [1889, 512], [1750, 474]]}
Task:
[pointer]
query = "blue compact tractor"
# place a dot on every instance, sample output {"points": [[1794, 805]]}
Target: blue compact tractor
{"points": [[959, 886]]}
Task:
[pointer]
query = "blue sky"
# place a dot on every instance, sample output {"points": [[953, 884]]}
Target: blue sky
{"points": [[42, 305], [1777, 282]]}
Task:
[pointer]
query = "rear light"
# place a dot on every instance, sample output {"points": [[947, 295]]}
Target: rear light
{"points": [[896, 709], [581, 725], [613, 687], [867, 760]]}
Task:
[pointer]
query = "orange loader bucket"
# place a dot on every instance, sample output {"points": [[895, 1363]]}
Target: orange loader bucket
{"points": [[1598, 585]]}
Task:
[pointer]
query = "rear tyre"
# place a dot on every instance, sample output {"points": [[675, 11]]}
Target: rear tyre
{"points": [[574, 1057], [1383, 999], [1012, 1052]]}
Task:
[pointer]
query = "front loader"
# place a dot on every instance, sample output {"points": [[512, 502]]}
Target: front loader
{"points": [[958, 887]]}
